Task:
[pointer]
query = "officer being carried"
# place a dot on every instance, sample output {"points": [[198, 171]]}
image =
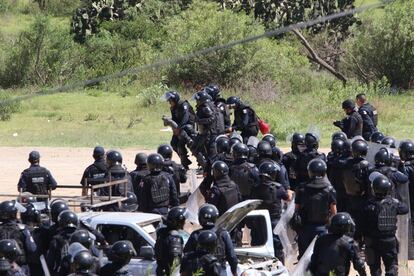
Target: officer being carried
{"points": [[36, 179]]}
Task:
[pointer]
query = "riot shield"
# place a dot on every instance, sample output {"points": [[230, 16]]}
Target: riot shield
{"points": [[404, 234], [287, 235], [301, 268], [194, 203], [373, 148], [253, 142]]}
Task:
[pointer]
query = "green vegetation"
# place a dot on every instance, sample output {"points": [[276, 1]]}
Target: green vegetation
{"points": [[37, 51]]}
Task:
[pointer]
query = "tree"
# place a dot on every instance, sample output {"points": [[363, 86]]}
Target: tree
{"points": [[276, 13]]}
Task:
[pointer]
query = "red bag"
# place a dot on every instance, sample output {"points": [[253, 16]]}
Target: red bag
{"points": [[263, 126]]}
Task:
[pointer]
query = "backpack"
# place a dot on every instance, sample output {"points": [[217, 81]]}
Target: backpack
{"points": [[387, 216], [159, 188], [316, 206], [241, 175]]}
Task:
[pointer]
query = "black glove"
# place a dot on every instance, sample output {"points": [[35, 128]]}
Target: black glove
{"points": [[337, 124]]}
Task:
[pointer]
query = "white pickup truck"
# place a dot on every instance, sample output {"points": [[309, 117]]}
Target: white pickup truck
{"points": [[140, 229]]}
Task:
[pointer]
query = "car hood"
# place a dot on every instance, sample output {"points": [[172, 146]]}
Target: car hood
{"points": [[236, 214]]}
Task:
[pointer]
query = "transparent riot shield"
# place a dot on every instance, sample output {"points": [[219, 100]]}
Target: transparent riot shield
{"points": [[404, 234], [301, 268], [287, 235], [373, 148], [194, 203]]}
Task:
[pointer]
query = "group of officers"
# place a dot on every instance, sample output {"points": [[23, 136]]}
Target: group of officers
{"points": [[342, 198]]}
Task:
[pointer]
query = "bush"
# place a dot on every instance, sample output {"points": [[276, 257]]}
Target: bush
{"points": [[7, 106], [203, 25], [383, 46]]}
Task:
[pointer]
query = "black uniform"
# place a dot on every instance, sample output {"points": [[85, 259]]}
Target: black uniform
{"points": [[333, 253], [245, 175], [58, 250], [368, 123], [137, 178], [224, 194], [95, 173], [222, 106], [177, 171], [408, 169], [396, 178], [10, 229], [336, 167], [114, 269], [224, 250], [271, 194], [201, 260], [290, 161], [352, 125], [158, 193], [246, 121], [183, 115], [380, 225], [303, 160], [168, 247], [314, 199], [372, 112], [36, 180]]}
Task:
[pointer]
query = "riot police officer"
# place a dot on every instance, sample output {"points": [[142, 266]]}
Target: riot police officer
{"points": [[352, 124], [223, 149], [337, 161], [83, 263], [243, 173], [245, 118], [361, 101], [158, 188], [380, 225], [315, 203], [95, 173], [203, 258], [36, 179], [335, 251], [210, 124], [139, 173], [214, 92], [87, 240], [120, 254], [388, 141], [224, 251], [224, 193], [183, 115], [169, 244], [271, 193], [383, 164], [11, 229], [68, 222], [377, 137], [406, 153], [9, 252], [177, 171], [339, 135], [290, 159]]}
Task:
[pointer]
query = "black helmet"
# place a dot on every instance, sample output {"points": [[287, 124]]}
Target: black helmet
{"points": [[277, 154], [240, 151], [338, 146], [381, 186], [172, 96], [359, 148], [83, 237], [339, 135], [68, 219], [165, 151], [270, 139], [207, 215], [56, 208], [297, 139], [341, 224], [317, 168], [219, 169], [9, 249], [406, 150], [141, 159], [31, 215], [213, 90], [155, 162], [207, 240], [311, 141], [348, 104], [269, 170], [34, 156], [130, 204], [201, 97], [383, 157], [233, 100], [98, 152], [8, 210], [264, 149], [223, 144], [113, 157], [176, 217], [121, 252], [389, 141], [83, 261], [376, 137]]}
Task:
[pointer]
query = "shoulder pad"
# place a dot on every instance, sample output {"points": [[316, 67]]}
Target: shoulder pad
{"points": [[207, 110], [245, 111], [21, 226], [364, 112]]}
